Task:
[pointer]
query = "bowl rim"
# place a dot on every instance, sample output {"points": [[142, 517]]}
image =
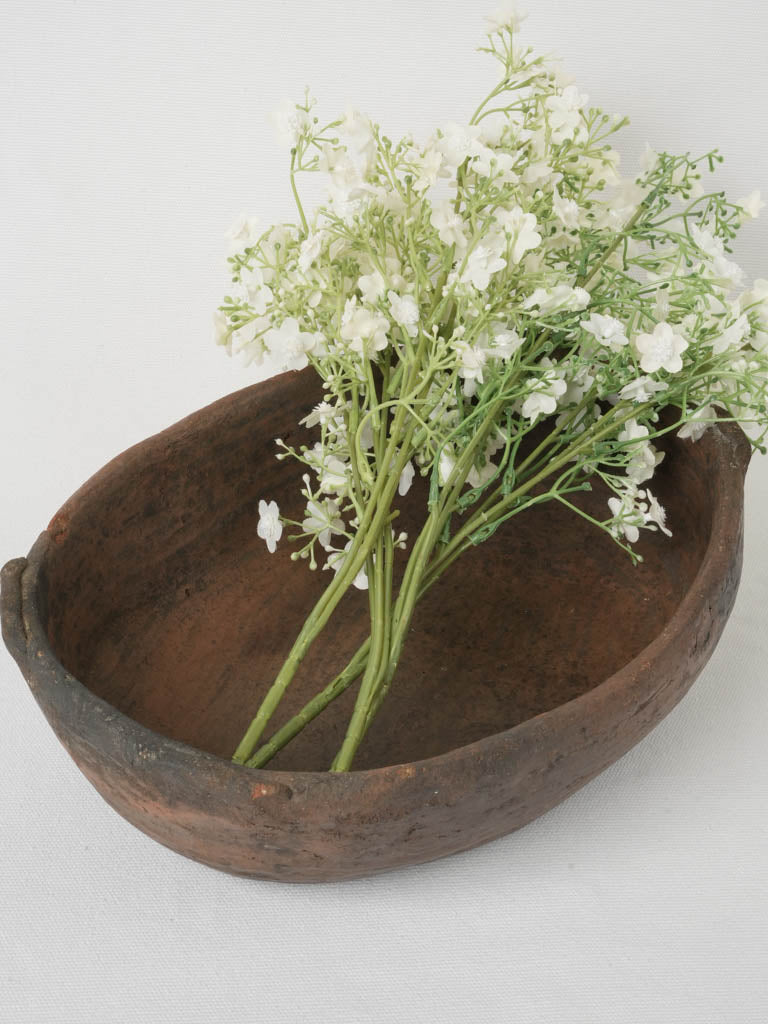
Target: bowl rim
{"points": [[732, 452]]}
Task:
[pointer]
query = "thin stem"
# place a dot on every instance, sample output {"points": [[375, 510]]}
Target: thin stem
{"points": [[312, 708], [296, 196], [380, 612]]}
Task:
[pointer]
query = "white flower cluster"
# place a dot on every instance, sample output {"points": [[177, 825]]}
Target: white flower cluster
{"points": [[455, 295]]}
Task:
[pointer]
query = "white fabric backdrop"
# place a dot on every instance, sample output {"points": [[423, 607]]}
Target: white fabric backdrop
{"points": [[132, 134]]}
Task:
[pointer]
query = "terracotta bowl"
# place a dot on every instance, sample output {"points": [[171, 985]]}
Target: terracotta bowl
{"points": [[149, 619]]}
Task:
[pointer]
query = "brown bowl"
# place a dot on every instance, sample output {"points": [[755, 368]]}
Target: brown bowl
{"points": [[149, 618]]}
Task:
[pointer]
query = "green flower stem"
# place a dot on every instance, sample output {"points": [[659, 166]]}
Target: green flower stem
{"points": [[420, 575], [461, 541], [382, 674], [376, 518], [312, 708], [380, 612], [295, 191], [411, 588]]}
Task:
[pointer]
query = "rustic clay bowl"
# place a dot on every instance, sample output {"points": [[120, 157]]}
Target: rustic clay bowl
{"points": [[148, 620]]}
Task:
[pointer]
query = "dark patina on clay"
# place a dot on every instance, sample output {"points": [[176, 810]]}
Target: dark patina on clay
{"points": [[149, 619]]}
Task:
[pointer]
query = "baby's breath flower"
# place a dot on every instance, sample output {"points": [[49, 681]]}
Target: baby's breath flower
{"points": [[406, 479], [364, 329], [562, 297], [656, 514], [269, 527], [564, 113], [661, 350], [404, 312], [290, 345], [522, 228], [508, 16], [291, 123], [323, 520], [698, 422], [482, 262], [607, 330], [372, 286], [456, 142], [243, 233], [752, 205], [642, 389], [627, 518], [543, 395], [449, 224]]}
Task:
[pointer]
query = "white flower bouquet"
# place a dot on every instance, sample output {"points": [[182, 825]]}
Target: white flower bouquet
{"points": [[456, 296]]}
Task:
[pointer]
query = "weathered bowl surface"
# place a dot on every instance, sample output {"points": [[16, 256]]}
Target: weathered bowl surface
{"points": [[148, 620]]}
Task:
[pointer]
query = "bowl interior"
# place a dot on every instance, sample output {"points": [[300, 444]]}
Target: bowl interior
{"points": [[163, 601]]}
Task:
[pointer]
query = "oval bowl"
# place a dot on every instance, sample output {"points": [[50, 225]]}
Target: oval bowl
{"points": [[148, 620]]}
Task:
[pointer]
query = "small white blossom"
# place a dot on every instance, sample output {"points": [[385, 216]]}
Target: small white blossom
{"points": [[346, 186], [661, 350], [473, 360], [622, 205], [448, 224], [733, 337], [628, 519], [456, 142], [310, 250], [324, 520], [364, 329], [405, 312], [642, 389], [406, 479], [703, 418], [755, 303], [248, 342], [482, 262], [372, 286], [566, 210], [290, 344], [752, 205], [643, 463], [259, 294], [607, 330], [564, 111], [508, 16], [644, 457], [649, 160], [724, 271], [222, 330], [656, 514], [359, 130], [522, 228], [445, 465], [429, 167], [542, 400], [244, 233], [269, 527], [332, 472], [633, 431], [493, 164], [503, 343], [540, 172], [561, 297], [323, 414], [336, 560], [291, 123]]}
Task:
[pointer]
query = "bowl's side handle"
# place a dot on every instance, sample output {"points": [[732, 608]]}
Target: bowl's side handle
{"points": [[14, 634]]}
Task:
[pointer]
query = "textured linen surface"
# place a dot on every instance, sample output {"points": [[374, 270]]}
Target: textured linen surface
{"points": [[132, 135]]}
